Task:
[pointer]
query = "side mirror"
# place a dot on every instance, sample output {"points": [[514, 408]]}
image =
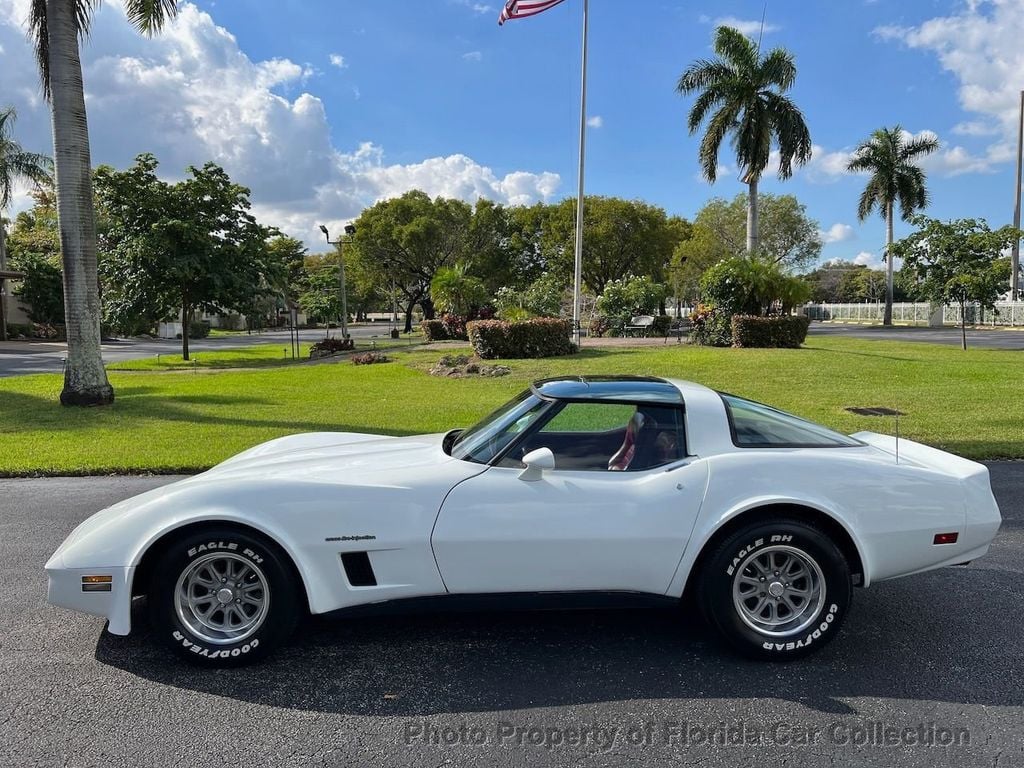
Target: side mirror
{"points": [[536, 463]]}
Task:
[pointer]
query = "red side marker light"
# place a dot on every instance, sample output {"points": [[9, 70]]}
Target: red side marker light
{"points": [[946, 538]]}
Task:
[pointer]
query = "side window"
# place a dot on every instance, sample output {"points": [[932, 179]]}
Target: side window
{"points": [[603, 437], [591, 417], [760, 426]]}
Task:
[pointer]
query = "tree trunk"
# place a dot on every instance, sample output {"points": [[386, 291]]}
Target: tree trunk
{"points": [[3, 283], [752, 224], [85, 380], [408, 315], [963, 325], [186, 321], [887, 318], [427, 305]]}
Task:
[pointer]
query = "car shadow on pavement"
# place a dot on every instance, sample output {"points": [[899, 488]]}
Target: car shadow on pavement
{"points": [[949, 635]]}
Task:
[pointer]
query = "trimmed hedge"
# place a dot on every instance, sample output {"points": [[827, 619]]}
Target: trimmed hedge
{"points": [[538, 337], [788, 331], [445, 328], [433, 330]]}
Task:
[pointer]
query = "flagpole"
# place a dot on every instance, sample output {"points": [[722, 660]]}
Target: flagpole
{"points": [[578, 273]]}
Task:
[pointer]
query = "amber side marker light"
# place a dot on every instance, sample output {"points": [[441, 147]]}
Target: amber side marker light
{"points": [[97, 583], [945, 538]]}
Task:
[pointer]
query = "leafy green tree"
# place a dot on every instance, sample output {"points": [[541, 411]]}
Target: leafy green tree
{"points": [[16, 164], [192, 245], [34, 249], [789, 237], [691, 258], [407, 240], [547, 296], [56, 27], [752, 287], [958, 262], [620, 238], [319, 291], [290, 254], [889, 156], [624, 299], [457, 293], [742, 94]]}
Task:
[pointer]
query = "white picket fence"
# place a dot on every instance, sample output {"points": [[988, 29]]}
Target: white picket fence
{"points": [[1008, 313]]}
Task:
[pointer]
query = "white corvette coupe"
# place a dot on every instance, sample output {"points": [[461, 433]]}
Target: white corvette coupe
{"points": [[601, 488]]}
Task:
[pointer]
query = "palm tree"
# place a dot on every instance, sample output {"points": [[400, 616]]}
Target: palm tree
{"points": [[15, 165], [745, 95], [889, 157], [55, 27]]}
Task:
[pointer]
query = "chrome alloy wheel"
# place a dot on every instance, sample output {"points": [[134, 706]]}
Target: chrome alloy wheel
{"points": [[778, 591], [222, 598]]}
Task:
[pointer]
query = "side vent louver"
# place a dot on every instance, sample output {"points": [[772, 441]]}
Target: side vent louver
{"points": [[358, 569]]}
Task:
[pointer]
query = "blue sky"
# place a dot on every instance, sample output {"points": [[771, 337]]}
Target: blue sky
{"points": [[323, 106]]}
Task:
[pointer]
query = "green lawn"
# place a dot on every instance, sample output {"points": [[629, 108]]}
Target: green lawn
{"points": [[255, 356], [163, 421]]}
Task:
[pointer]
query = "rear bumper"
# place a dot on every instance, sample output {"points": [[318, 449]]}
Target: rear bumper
{"points": [[65, 590]]}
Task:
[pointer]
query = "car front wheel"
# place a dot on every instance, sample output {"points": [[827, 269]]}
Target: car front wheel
{"points": [[223, 598], [776, 590]]}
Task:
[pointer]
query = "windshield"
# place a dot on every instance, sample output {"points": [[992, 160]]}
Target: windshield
{"points": [[491, 435], [760, 426]]}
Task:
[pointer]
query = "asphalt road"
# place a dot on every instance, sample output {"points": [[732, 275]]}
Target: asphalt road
{"points": [[18, 358], [940, 651], [988, 338]]}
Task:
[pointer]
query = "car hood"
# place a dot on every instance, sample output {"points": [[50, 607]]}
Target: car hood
{"points": [[338, 456]]}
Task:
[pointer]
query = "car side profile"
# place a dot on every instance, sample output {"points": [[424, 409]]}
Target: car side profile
{"points": [[601, 487]]}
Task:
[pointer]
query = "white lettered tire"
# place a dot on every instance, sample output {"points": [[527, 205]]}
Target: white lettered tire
{"points": [[223, 597], [776, 590]]}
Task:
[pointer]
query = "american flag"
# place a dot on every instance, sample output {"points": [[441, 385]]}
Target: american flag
{"points": [[520, 9]]}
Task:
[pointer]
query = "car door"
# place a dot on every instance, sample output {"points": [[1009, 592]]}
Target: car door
{"points": [[573, 529]]}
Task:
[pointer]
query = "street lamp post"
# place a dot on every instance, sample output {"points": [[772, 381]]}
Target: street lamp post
{"points": [[350, 231]]}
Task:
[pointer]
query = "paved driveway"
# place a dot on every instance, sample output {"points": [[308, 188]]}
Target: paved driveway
{"points": [[18, 358], [939, 654], [993, 338]]}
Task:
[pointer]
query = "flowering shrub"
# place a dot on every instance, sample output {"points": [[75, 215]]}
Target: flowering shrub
{"points": [[711, 327]]}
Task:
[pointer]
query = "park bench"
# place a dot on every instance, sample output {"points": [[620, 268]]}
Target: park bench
{"points": [[679, 328], [640, 325]]}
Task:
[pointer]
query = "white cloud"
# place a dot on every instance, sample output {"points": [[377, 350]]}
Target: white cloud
{"points": [[870, 260], [749, 27], [975, 128], [476, 7], [472, 56], [337, 60], [837, 233], [191, 94], [596, 121], [827, 165], [980, 47]]}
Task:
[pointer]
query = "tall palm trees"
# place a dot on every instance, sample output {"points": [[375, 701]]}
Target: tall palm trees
{"points": [[744, 94], [15, 165], [889, 157], [55, 28]]}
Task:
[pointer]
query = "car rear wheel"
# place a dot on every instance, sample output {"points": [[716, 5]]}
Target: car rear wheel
{"points": [[776, 590], [223, 598]]}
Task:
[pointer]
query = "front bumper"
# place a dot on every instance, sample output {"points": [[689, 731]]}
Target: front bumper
{"points": [[65, 590]]}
